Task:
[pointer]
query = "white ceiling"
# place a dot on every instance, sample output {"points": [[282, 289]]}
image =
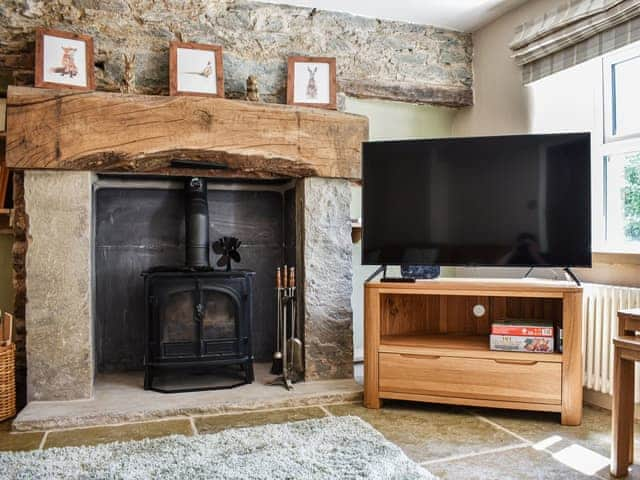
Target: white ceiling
{"points": [[462, 15]]}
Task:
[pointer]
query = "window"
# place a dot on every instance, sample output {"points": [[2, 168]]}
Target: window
{"points": [[620, 152], [622, 176], [622, 96]]}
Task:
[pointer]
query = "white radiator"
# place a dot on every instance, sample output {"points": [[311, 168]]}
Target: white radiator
{"points": [[600, 324]]}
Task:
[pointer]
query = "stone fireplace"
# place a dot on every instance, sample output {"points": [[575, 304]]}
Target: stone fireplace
{"points": [[103, 199], [92, 235]]}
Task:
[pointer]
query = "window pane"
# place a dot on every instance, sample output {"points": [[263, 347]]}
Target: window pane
{"points": [[623, 200], [626, 111]]}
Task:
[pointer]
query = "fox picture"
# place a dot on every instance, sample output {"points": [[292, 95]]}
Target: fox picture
{"points": [[67, 63], [65, 59]]}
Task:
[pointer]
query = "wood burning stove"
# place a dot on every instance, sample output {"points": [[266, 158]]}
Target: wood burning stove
{"points": [[197, 319]]}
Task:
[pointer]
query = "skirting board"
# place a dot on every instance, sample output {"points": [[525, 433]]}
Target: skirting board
{"points": [[603, 400]]}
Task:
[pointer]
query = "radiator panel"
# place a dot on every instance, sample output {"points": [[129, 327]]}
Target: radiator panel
{"points": [[600, 324]]}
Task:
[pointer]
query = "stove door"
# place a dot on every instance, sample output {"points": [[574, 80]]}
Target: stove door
{"points": [[221, 321], [194, 318]]}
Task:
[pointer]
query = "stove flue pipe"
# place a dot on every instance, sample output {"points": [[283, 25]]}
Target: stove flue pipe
{"points": [[196, 223]]}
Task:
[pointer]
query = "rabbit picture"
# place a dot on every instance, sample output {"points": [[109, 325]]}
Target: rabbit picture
{"points": [[128, 84], [68, 63], [312, 88]]}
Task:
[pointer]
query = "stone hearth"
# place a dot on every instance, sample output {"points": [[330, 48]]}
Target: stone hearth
{"points": [[119, 398]]}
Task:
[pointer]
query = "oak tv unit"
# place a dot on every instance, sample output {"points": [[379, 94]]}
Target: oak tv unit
{"points": [[423, 342]]}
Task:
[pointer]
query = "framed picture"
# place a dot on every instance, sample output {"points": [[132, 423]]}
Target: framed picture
{"points": [[195, 69], [311, 81], [64, 60]]}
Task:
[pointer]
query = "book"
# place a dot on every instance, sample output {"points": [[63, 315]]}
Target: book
{"points": [[521, 343], [523, 328]]}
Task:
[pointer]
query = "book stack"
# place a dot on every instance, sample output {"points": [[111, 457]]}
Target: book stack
{"points": [[522, 336]]}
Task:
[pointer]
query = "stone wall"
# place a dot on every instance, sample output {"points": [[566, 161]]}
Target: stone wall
{"points": [[375, 58], [325, 259], [59, 307]]}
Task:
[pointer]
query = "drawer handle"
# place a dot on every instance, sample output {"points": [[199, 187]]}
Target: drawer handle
{"points": [[420, 357], [517, 362]]}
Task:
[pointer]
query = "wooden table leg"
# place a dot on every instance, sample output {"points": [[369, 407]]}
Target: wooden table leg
{"points": [[622, 414]]}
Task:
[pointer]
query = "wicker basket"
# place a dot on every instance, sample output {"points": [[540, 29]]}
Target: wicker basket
{"points": [[7, 369]]}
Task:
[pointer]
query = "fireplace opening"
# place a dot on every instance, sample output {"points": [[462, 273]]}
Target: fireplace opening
{"points": [[196, 318]]}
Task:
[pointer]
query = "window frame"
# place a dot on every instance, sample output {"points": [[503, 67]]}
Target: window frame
{"points": [[609, 145], [608, 62]]}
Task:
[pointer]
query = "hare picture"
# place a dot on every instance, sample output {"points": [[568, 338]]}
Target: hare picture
{"points": [[311, 81], [312, 88]]}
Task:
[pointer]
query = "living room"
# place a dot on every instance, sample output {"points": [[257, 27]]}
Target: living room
{"points": [[319, 239]]}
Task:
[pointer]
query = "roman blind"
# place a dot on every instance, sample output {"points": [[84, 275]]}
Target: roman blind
{"points": [[573, 32]]}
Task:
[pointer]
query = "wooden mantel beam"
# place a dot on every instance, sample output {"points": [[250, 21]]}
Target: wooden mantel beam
{"points": [[99, 131]]}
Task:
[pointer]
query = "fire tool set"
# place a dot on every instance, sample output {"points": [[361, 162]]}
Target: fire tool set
{"points": [[287, 359]]}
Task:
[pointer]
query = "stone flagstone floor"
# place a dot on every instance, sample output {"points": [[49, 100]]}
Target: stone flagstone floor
{"points": [[451, 442]]}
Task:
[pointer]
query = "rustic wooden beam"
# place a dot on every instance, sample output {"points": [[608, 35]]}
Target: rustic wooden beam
{"points": [[441, 95], [101, 131]]}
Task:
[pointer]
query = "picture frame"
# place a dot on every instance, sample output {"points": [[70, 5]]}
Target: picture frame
{"points": [[311, 82], [64, 60], [196, 69]]}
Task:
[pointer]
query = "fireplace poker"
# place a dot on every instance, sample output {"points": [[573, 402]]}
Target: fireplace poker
{"points": [[286, 370], [283, 358], [276, 366], [295, 344]]}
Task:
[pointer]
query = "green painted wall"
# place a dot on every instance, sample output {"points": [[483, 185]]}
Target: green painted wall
{"points": [[6, 288], [388, 121]]}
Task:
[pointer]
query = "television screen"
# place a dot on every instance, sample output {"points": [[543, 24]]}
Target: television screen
{"points": [[521, 200]]}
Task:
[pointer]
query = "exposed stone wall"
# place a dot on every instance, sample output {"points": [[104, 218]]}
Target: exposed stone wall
{"points": [[375, 58], [325, 257], [59, 310]]}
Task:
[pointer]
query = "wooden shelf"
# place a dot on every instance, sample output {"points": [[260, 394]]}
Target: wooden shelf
{"points": [[500, 287], [474, 346], [64, 130]]}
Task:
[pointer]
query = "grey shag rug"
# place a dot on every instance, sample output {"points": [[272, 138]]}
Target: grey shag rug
{"points": [[327, 448]]}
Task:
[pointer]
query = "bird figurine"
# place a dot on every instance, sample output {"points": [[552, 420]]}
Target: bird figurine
{"points": [[252, 89]]}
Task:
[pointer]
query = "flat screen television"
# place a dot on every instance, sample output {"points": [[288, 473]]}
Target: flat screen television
{"points": [[518, 200]]}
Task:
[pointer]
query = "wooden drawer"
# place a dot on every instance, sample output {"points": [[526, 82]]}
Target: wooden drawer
{"points": [[477, 378]]}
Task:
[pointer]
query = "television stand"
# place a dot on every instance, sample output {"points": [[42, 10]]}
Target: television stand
{"points": [[567, 270], [424, 343], [385, 279], [573, 276]]}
